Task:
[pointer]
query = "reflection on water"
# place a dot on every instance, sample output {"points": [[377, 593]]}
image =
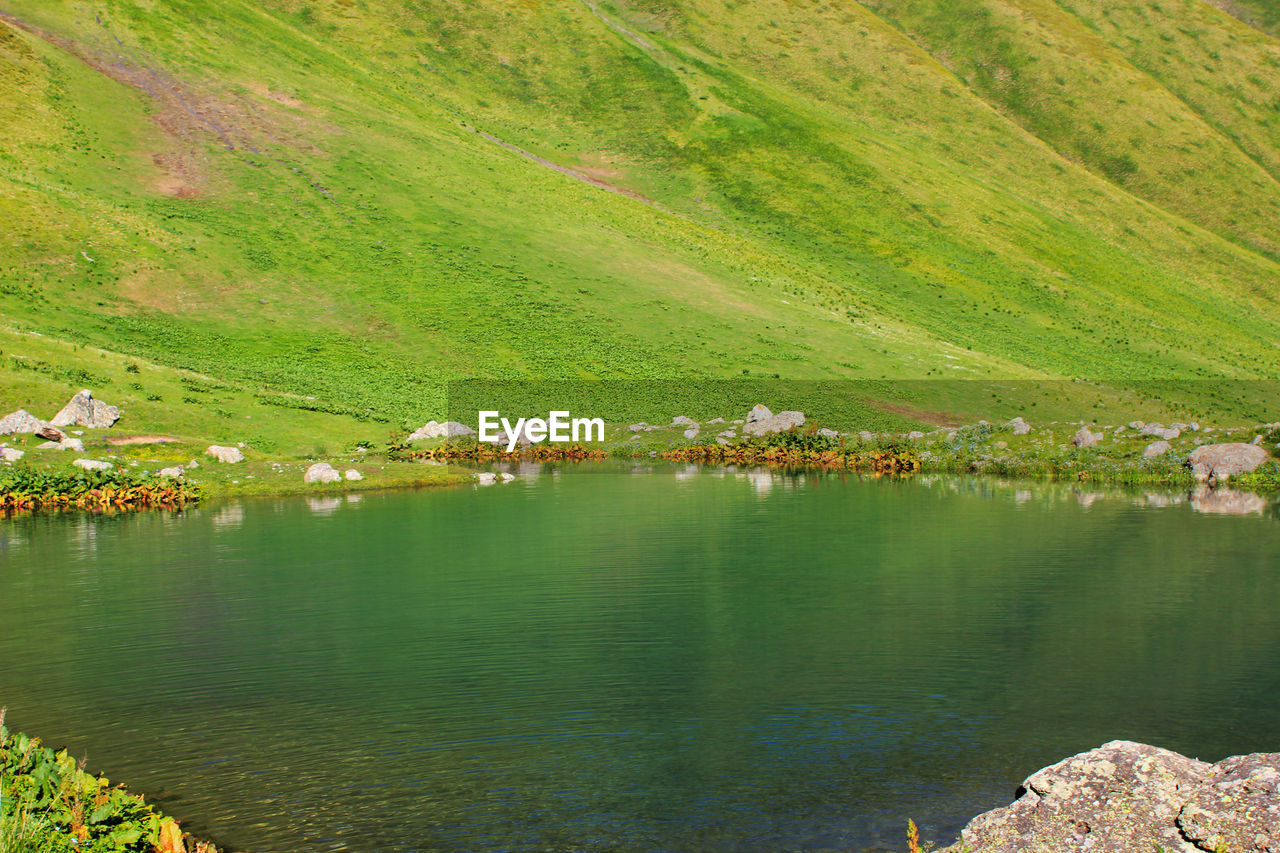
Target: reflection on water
{"points": [[1228, 502], [324, 506], [229, 515], [637, 656]]}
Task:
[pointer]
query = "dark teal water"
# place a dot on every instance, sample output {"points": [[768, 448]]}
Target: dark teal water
{"points": [[602, 659]]}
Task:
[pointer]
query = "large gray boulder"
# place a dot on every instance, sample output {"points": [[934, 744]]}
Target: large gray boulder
{"points": [[773, 423], [1156, 448], [229, 455], [20, 422], [454, 429], [503, 439], [1126, 796], [1084, 437], [1019, 426], [321, 472], [758, 413], [448, 429], [1216, 462], [83, 410]]}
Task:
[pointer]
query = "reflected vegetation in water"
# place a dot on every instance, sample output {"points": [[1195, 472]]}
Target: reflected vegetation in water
{"points": [[637, 656]]}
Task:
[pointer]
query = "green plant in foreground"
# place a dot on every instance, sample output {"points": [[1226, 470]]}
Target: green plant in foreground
{"points": [[50, 804]]}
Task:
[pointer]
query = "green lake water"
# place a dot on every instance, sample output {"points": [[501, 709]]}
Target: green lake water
{"points": [[607, 657]]}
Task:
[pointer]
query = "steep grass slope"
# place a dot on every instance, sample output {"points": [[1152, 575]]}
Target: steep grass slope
{"points": [[353, 202]]}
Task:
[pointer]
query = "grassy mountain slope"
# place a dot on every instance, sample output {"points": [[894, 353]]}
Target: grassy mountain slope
{"points": [[1262, 14], [355, 202]]}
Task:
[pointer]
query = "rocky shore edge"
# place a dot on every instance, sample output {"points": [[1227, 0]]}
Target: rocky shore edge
{"points": [[1126, 797], [1225, 469], [1182, 455]]}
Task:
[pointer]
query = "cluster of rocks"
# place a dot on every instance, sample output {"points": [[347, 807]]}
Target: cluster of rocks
{"points": [[488, 478], [760, 421], [323, 472], [81, 410], [1126, 796], [1210, 463]]}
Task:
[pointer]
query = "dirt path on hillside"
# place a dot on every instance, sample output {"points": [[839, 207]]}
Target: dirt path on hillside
{"points": [[634, 38], [565, 170]]}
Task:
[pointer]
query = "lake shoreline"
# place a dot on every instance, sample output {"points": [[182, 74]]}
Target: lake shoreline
{"points": [[1132, 455]]}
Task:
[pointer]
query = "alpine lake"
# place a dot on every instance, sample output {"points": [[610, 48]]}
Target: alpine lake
{"points": [[615, 656]]}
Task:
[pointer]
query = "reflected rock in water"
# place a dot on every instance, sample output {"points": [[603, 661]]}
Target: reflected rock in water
{"points": [[688, 472], [354, 498], [230, 515], [11, 540], [84, 536], [1022, 496], [762, 480], [324, 506], [1228, 502], [1088, 499]]}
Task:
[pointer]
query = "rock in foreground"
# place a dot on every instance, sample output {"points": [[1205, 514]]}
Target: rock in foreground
{"points": [[1126, 796]]}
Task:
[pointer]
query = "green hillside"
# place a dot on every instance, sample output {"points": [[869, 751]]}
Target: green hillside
{"points": [[348, 203]]}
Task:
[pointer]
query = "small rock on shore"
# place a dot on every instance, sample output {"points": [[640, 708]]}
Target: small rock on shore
{"points": [[321, 472]]}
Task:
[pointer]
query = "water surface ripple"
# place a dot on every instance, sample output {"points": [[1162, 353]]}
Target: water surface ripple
{"points": [[620, 658]]}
